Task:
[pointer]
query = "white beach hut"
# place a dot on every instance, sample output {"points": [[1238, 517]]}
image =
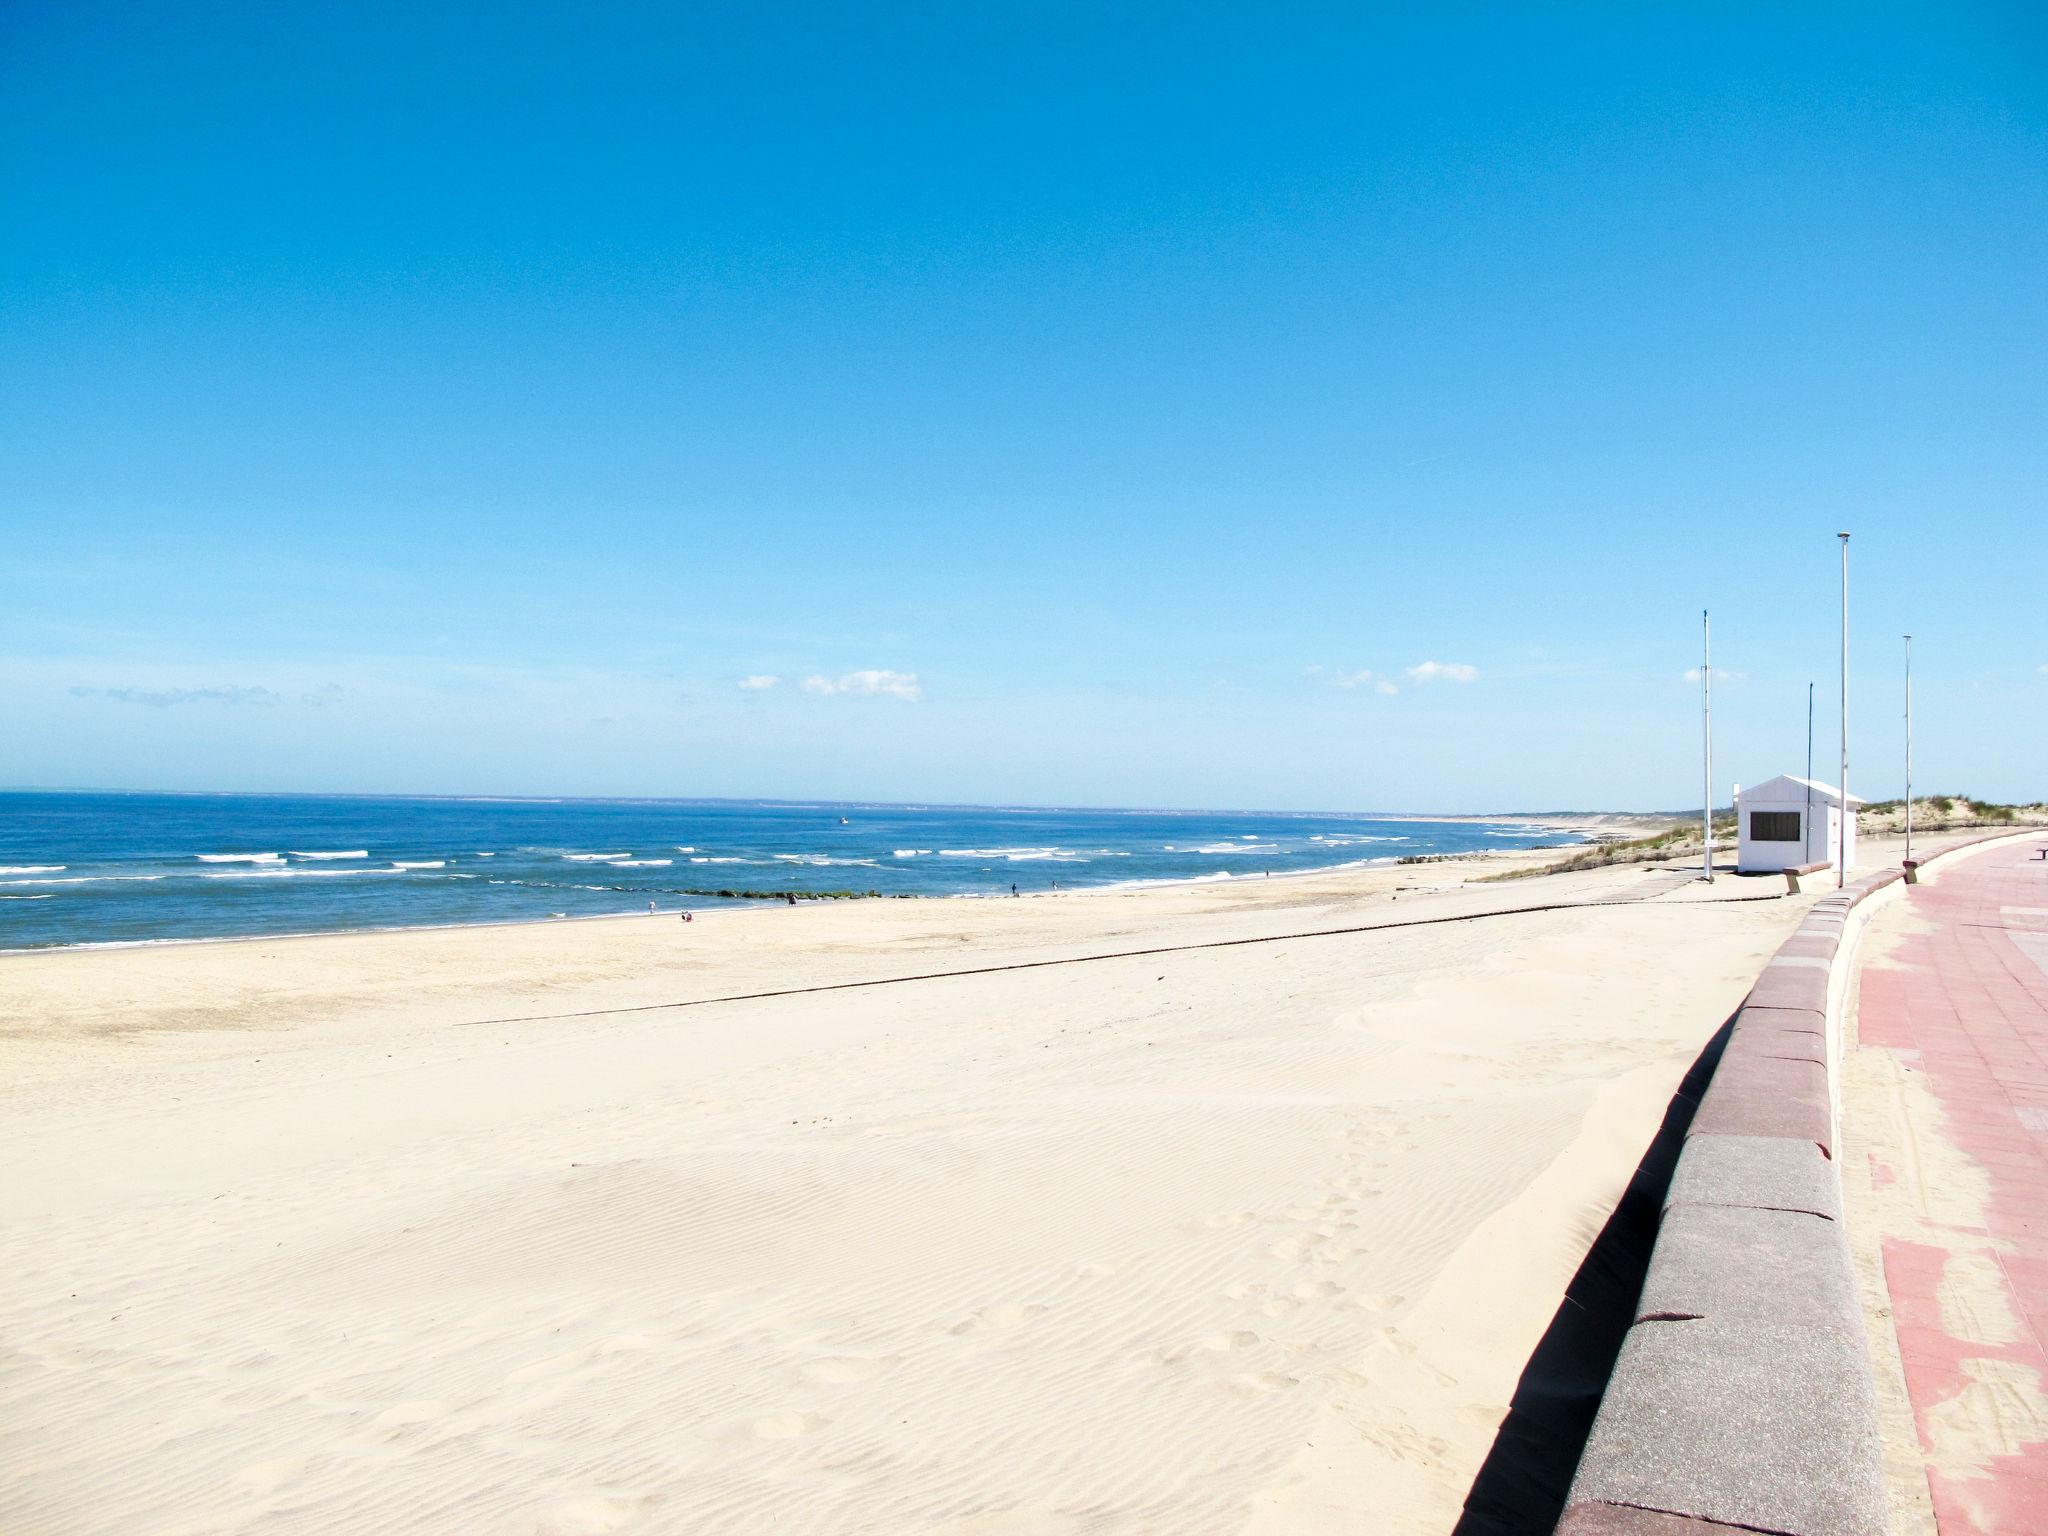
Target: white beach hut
{"points": [[1788, 821]]}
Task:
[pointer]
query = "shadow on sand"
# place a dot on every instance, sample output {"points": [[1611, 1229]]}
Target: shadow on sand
{"points": [[1521, 1487]]}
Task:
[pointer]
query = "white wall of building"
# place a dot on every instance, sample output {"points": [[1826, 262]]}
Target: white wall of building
{"points": [[1816, 828]]}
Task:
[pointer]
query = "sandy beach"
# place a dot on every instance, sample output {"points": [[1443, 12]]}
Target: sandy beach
{"points": [[634, 1225]]}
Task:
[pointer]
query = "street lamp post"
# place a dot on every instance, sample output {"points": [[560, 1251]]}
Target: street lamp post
{"points": [[1909, 749], [1806, 840], [1707, 729], [1842, 842]]}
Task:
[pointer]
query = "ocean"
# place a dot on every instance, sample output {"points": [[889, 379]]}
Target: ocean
{"points": [[80, 868]]}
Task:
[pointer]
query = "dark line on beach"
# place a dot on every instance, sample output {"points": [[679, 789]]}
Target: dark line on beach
{"points": [[1522, 1485], [1122, 954]]}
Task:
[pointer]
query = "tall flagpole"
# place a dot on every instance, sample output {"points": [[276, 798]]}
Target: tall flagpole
{"points": [[1707, 729], [1909, 749], [1842, 842]]}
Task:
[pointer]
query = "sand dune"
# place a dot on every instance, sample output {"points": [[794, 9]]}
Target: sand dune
{"points": [[1250, 1237]]}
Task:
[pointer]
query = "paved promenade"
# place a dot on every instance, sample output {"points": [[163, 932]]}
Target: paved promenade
{"points": [[1949, 1107]]}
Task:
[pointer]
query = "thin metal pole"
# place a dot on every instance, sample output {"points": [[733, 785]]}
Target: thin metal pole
{"points": [[1707, 729], [1909, 749], [1806, 841], [1842, 841]]}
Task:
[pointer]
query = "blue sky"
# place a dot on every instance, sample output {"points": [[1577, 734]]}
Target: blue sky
{"points": [[434, 399]]}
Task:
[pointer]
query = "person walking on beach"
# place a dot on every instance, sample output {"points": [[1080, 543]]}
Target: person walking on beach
{"points": [[650, 909]]}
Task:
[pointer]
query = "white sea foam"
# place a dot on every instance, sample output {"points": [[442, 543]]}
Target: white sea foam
{"points": [[241, 858], [711, 860], [39, 896], [486, 855], [641, 863], [820, 860], [598, 858], [1015, 855], [910, 853], [31, 869], [1135, 885], [419, 864], [353, 853], [681, 849], [80, 879], [282, 872]]}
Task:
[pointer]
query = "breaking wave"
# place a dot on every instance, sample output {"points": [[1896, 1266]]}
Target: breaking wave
{"points": [[282, 873], [1016, 855], [80, 879]]}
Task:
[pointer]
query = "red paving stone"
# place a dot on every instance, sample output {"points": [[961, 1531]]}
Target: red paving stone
{"points": [[1966, 1006]]}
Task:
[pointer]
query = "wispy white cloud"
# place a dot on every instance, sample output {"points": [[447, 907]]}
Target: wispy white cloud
{"points": [[869, 683], [1721, 675], [1365, 677], [170, 698], [760, 681], [1442, 671]]}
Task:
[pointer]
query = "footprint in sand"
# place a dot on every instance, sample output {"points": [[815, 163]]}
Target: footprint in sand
{"points": [[268, 1476], [1011, 1316], [406, 1419], [1217, 1222], [786, 1426], [1214, 1344], [846, 1368], [594, 1513], [1259, 1383]]}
